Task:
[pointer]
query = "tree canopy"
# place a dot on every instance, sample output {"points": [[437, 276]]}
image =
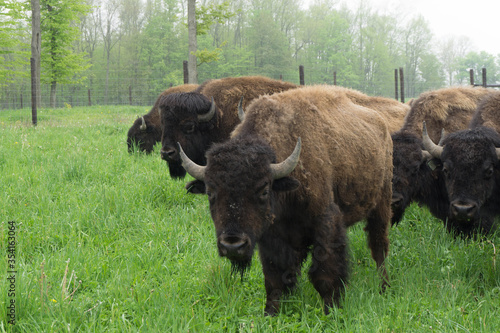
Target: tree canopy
{"points": [[121, 50]]}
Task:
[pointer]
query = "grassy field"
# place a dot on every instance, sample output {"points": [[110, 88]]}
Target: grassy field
{"points": [[106, 241]]}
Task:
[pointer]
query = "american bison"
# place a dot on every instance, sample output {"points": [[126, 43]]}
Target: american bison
{"points": [[196, 122], [450, 109], [302, 204], [469, 163], [146, 131]]}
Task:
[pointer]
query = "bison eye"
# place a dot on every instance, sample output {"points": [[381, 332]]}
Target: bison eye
{"points": [[264, 195], [446, 172], [188, 129], [488, 172]]}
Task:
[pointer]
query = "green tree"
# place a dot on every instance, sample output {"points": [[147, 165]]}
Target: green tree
{"points": [[13, 42], [326, 45], [477, 61], [59, 24], [163, 42]]}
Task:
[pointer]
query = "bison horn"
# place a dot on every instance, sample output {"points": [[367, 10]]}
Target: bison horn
{"points": [[241, 113], [195, 170], [430, 146], [203, 118], [283, 169], [143, 125]]}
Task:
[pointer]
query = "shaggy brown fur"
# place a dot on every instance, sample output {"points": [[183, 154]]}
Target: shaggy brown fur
{"points": [[488, 112], [345, 172], [226, 93], [146, 139], [448, 108], [392, 111]]}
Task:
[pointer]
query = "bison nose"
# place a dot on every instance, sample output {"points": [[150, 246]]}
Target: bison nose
{"points": [[463, 210], [168, 154], [233, 245], [397, 200]]}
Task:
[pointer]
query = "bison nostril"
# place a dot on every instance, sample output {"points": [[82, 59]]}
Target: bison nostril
{"points": [[233, 244], [396, 200], [462, 209], [168, 153]]}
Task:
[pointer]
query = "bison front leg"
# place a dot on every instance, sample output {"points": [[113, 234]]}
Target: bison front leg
{"points": [[280, 264], [329, 270], [377, 228]]}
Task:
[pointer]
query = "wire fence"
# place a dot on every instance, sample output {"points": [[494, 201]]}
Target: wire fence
{"points": [[122, 90]]}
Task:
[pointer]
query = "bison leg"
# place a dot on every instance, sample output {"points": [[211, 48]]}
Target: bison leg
{"points": [[280, 264], [329, 269], [377, 227]]}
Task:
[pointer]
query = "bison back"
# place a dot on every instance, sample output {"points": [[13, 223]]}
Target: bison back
{"points": [[346, 148]]}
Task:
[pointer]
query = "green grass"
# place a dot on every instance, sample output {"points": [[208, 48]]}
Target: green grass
{"points": [[107, 241]]}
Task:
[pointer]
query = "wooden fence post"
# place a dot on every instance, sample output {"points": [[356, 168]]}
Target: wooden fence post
{"points": [[130, 95], [301, 74], [334, 78], [484, 77], [186, 72], [402, 84], [396, 93], [90, 102], [34, 92], [471, 76]]}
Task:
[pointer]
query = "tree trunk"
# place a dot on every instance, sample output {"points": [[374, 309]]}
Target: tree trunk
{"points": [[36, 47], [193, 72], [53, 87]]}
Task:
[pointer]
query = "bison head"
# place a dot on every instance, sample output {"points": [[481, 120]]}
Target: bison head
{"points": [[242, 183], [143, 134], [187, 118], [411, 175], [471, 171]]}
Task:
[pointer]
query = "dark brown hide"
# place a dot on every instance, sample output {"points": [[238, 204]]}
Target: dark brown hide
{"points": [[181, 124], [344, 171], [146, 138], [450, 109], [471, 172], [488, 112]]}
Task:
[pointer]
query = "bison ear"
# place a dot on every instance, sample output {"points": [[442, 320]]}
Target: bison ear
{"points": [[196, 187], [285, 184]]}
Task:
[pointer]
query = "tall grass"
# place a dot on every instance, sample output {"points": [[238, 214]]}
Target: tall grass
{"points": [[107, 241]]}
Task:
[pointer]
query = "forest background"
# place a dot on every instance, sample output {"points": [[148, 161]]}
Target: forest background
{"points": [[128, 51]]}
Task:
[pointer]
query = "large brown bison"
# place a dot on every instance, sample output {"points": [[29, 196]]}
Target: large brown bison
{"points": [[450, 109], [303, 204], [469, 163], [196, 122], [146, 131]]}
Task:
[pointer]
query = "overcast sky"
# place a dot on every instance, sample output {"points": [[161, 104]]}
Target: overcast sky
{"points": [[450, 18]]}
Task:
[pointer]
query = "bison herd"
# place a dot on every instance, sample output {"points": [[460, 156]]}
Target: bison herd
{"points": [[289, 168]]}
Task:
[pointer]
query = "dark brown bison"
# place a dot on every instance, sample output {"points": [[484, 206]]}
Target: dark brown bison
{"points": [[468, 161], [450, 109], [146, 131], [303, 204], [194, 121]]}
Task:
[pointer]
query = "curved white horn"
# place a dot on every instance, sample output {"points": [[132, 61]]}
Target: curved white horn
{"points": [[283, 169], [143, 125], [430, 146], [241, 113], [195, 170], [203, 118]]}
